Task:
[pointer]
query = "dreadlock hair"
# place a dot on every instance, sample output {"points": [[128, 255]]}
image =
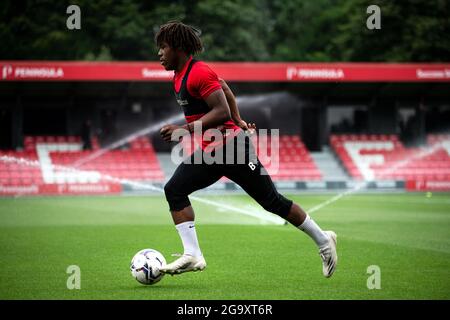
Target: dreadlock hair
{"points": [[180, 36]]}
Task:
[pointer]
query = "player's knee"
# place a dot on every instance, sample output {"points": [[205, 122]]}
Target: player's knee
{"points": [[171, 189], [175, 196], [277, 204], [168, 188]]}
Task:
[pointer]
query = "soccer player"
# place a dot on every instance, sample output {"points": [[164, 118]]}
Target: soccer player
{"points": [[208, 100]]}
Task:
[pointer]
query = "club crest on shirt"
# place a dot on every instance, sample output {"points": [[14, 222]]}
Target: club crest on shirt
{"points": [[182, 102]]}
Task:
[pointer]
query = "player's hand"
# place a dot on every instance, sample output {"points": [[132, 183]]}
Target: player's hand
{"points": [[251, 127], [167, 130]]}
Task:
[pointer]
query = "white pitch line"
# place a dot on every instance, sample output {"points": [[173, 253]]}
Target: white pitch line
{"points": [[261, 215], [150, 129], [359, 186]]}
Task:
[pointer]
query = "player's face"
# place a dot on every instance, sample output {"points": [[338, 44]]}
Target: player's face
{"points": [[167, 56]]}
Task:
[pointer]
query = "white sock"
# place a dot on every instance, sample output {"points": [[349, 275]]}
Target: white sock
{"points": [[313, 230], [188, 236]]}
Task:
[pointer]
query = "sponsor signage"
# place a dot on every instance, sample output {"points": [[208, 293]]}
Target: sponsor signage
{"points": [[231, 71]]}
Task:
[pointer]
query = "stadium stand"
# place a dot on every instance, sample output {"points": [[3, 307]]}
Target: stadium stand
{"points": [[384, 157], [293, 162], [137, 163], [369, 157]]}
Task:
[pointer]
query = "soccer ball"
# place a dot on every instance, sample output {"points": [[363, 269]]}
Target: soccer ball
{"points": [[145, 266]]}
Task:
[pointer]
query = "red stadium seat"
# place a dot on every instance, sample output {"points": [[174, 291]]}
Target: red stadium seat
{"points": [[410, 164], [294, 159]]}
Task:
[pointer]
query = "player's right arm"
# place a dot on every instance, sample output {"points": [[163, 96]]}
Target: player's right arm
{"points": [[218, 114], [235, 115]]}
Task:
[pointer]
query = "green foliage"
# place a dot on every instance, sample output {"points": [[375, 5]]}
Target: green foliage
{"points": [[232, 30], [411, 30]]}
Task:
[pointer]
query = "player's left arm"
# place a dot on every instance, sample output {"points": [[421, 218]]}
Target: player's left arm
{"points": [[234, 110]]}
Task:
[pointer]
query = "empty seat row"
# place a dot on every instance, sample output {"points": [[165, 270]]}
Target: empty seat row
{"points": [[384, 157]]}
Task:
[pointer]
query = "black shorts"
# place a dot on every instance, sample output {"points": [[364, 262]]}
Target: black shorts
{"points": [[249, 174]]}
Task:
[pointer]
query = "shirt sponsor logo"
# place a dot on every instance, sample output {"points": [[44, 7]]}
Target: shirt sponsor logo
{"points": [[182, 102]]}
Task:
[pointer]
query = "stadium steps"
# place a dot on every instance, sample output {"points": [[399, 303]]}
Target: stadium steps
{"points": [[329, 166]]}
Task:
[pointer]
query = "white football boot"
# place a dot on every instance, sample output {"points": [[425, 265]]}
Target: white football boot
{"points": [[329, 255], [185, 263]]}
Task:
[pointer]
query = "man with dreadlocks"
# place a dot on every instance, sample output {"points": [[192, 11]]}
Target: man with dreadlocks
{"points": [[209, 102]]}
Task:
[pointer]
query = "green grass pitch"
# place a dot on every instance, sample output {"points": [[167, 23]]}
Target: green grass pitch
{"points": [[406, 235]]}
